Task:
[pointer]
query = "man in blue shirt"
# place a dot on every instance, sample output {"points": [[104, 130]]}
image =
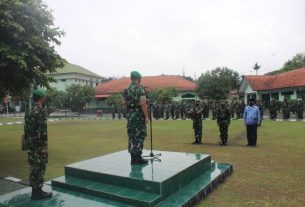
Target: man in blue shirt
{"points": [[252, 119]]}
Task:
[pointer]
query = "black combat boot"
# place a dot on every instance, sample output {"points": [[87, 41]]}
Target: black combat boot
{"points": [[38, 194], [196, 140], [139, 160], [133, 159], [199, 140]]}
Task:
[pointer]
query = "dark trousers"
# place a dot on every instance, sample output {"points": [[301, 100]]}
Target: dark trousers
{"points": [[252, 134]]}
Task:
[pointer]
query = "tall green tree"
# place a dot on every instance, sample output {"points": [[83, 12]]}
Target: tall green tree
{"points": [[56, 100], [78, 96], [163, 95], [217, 83], [298, 61], [27, 40], [116, 99]]}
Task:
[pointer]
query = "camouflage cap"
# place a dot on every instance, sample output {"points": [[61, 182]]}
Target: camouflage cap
{"points": [[39, 92], [135, 74]]}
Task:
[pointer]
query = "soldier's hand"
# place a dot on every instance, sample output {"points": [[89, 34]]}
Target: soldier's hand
{"points": [[146, 120], [45, 151]]}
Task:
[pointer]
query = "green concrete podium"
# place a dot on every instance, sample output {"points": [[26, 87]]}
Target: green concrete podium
{"points": [[179, 179]]}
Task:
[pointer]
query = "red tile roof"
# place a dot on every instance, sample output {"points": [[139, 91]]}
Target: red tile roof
{"points": [[294, 78], [149, 82]]}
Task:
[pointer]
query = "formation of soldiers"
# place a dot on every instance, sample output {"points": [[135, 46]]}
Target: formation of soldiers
{"points": [[181, 109], [286, 109]]}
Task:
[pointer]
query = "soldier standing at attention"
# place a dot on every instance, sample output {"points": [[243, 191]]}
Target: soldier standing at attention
{"points": [[299, 107], [113, 111], [36, 139], [273, 109], [252, 119], [197, 122], [137, 117], [261, 110], [223, 121], [285, 109]]}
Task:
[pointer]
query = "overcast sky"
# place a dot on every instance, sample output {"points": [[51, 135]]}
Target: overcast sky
{"points": [[113, 37]]}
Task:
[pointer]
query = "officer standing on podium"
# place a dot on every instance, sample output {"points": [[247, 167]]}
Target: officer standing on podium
{"points": [[137, 117]]}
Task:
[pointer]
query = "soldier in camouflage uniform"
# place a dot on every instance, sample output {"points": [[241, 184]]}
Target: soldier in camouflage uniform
{"points": [[177, 110], [273, 109], [223, 121], [214, 109], [299, 108], [113, 110], [172, 109], [167, 110], [36, 141], [137, 117], [196, 114], [285, 109], [238, 110]]}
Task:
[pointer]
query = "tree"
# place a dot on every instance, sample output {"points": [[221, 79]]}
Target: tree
{"points": [[256, 67], [218, 83], [56, 100], [27, 40], [116, 99], [163, 95], [78, 96], [298, 61]]}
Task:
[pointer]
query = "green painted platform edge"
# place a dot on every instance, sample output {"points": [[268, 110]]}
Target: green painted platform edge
{"points": [[114, 179], [183, 177], [138, 199], [187, 201]]}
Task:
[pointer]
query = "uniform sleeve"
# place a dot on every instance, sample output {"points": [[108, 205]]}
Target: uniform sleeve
{"points": [[42, 128], [141, 91]]}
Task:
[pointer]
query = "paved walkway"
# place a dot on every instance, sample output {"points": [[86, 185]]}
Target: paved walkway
{"points": [[7, 186]]}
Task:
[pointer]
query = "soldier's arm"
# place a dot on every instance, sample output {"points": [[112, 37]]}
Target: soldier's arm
{"points": [[42, 129], [125, 96], [143, 105]]}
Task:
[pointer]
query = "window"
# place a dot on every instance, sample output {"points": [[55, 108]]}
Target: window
{"points": [[287, 93]]}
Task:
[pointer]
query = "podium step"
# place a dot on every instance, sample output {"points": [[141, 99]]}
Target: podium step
{"points": [[177, 179], [107, 191]]}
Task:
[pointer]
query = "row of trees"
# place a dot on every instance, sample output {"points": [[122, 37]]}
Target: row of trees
{"points": [[74, 98]]}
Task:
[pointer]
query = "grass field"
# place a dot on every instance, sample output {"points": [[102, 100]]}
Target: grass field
{"points": [[271, 174], [4, 119]]}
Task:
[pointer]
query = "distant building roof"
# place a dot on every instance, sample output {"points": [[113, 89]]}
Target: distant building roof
{"points": [[149, 82], [294, 78], [71, 68]]}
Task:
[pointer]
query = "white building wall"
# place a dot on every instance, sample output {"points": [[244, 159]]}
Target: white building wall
{"points": [[65, 80]]}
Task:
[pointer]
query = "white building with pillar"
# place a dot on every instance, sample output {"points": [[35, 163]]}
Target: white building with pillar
{"points": [[264, 87]]}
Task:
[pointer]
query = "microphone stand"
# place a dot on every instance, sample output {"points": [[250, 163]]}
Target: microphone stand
{"points": [[152, 155]]}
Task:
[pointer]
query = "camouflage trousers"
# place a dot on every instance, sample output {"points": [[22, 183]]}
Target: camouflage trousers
{"points": [[197, 126], [37, 162], [136, 129], [223, 129], [286, 113], [273, 114], [299, 114]]}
